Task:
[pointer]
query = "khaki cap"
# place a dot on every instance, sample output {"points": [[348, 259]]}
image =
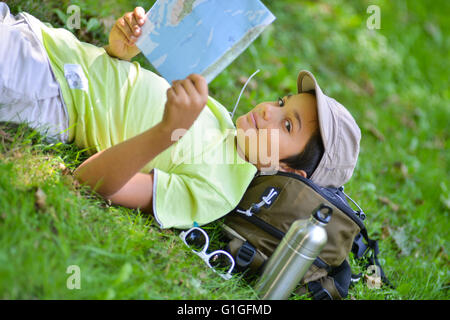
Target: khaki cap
{"points": [[340, 134]]}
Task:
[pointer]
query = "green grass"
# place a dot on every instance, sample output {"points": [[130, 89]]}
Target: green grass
{"points": [[121, 253], [393, 80]]}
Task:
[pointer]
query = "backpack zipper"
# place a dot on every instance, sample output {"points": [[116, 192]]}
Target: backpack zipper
{"points": [[352, 215]]}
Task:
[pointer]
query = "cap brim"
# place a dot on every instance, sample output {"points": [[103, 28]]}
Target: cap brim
{"points": [[307, 82]]}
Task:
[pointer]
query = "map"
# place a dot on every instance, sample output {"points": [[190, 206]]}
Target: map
{"points": [[181, 37]]}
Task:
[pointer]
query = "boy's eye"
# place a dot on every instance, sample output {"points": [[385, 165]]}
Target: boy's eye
{"points": [[288, 126], [280, 102]]}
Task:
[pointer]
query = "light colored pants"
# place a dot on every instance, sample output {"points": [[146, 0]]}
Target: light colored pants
{"points": [[29, 92]]}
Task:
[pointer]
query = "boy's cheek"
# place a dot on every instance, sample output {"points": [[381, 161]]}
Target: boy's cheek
{"points": [[248, 142], [269, 147], [261, 147], [241, 123]]}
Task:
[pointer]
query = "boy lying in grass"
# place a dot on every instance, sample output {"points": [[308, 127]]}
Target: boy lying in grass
{"points": [[155, 146]]}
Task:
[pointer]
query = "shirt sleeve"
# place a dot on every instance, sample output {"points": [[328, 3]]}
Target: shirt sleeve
{"points": [[179, 200]]}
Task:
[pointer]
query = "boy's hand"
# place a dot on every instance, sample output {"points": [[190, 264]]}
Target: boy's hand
{"points": [[124, 34], [185, 100]]}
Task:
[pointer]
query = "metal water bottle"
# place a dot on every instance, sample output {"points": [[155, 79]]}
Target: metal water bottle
{"points": [[294, 255]]}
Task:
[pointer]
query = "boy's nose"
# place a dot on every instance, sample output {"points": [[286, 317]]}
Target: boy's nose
{"points": [[267, 112]]}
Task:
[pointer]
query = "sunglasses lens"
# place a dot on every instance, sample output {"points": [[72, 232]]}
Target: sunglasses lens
{"points": [[220, 262], [196, 240]]}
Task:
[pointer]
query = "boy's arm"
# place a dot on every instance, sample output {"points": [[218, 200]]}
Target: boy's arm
{"points": [[109, 170], [136, 193], [124, 34]]}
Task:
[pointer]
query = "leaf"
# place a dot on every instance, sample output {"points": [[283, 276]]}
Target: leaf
{"points": [[61, 15], [40, 199], [384, 200], [5, 136], [92, 24], [110, 294], [402, 241], [375, 132], [445, 195], [434, 31], [445, 200], [124, 273], [403, 168], [64, 170], [385, 231]]}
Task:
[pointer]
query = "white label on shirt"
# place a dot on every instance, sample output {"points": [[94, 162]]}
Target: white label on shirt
{"points": [[76, 79]]}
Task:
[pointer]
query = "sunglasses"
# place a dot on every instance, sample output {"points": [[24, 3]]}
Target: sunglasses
{"points": [[219, 261]]}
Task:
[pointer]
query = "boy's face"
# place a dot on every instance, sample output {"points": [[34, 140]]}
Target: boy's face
{"points": [[279, 129]]}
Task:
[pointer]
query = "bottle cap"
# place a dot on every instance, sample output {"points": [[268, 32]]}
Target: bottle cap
{"points": [[323, 213]]}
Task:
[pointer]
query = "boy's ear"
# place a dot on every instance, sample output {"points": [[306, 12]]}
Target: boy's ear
{"points": [[285, 168]]}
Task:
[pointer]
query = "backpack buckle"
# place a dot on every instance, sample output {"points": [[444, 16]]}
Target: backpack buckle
{"points": [[245, 256], [359, 248], [318, 291], [322, 294]]}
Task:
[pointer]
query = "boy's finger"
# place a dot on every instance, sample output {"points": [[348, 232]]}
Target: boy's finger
{"points": [[199, 83], [170, 93], [139, 14], [178, 89], [133, 27], [118, 30], [123, 26], [189, 87]]}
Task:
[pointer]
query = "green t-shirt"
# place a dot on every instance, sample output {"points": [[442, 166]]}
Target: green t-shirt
{"points": [[198, 179]]}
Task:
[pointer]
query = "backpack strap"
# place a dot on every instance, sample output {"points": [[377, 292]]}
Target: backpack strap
{"points": [[373, 258], [333, 286], [318, 292], [361, 249], [245, 256]]}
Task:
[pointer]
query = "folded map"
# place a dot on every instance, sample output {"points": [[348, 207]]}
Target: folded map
{"points": [[181, 37]]}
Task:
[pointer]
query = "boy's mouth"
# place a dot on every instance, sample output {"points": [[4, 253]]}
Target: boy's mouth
{"points": [[252, 117]]}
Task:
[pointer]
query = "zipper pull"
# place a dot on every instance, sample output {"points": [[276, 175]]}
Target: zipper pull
{"points": [[268, 199]]}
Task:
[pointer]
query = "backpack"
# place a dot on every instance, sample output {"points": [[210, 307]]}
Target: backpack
{"points": [[269, 207]]}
